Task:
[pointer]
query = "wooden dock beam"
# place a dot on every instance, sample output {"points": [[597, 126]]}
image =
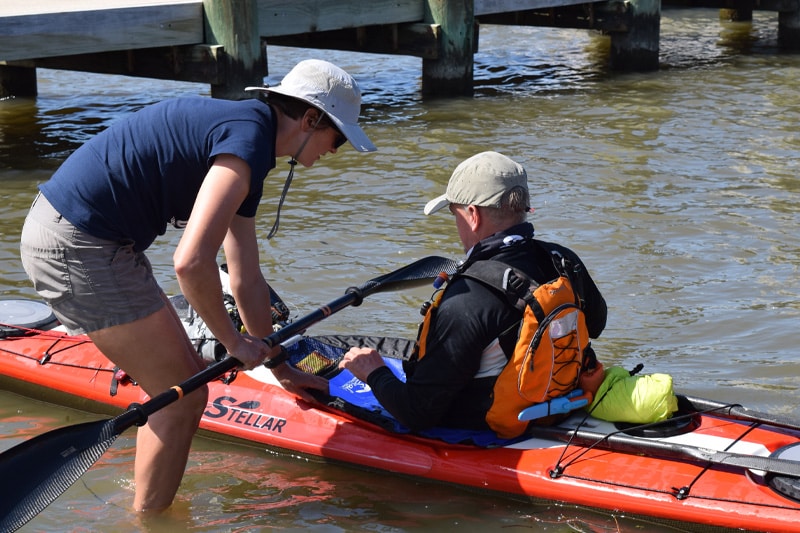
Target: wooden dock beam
{"points": [[234, 25], [451, 73]]}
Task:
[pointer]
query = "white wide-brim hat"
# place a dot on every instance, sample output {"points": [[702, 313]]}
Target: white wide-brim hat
{"points": [[329, 89]]}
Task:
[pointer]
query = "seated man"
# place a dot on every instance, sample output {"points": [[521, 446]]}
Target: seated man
{"points": [[466, 344]]}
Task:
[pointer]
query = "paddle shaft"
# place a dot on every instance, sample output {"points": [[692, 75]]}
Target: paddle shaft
{"points": [[738, 412], [137, 414], [637, 445]]}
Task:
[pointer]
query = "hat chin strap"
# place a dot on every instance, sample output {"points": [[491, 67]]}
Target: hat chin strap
{"points": [[292, 164]]}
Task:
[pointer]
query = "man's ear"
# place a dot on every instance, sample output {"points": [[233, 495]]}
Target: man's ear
{"points": [[474, 217]]}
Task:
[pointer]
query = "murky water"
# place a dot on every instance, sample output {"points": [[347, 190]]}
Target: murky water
{"points": [[678, 188]]}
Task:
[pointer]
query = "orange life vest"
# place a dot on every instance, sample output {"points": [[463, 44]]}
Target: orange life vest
{"points": [[551, 348]]}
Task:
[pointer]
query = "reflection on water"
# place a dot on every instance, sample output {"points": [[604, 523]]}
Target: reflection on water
{"points": [[678, 188]]}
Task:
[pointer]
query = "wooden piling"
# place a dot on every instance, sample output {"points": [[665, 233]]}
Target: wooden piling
{"points": [[234, 25], [450, 74], [637, 48]]}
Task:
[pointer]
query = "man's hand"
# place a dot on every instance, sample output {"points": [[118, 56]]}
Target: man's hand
{"points": [[361, 362]]}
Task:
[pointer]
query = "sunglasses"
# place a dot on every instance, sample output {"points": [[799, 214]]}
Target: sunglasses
{"points": [[340, 139]]}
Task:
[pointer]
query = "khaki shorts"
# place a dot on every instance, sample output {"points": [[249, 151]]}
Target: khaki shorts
{"points": [[89, 283]]}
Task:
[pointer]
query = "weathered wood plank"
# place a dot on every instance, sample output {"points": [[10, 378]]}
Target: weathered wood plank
{"points": [[291, 17], [488, 7], [69, 31], [10, 8], [417, 40], [196, 63]]}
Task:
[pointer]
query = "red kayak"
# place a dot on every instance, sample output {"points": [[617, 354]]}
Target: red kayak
{"points": [[712, 463]]}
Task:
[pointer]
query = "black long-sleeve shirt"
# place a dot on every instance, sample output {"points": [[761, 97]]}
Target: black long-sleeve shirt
{"points": [[441, 388]]}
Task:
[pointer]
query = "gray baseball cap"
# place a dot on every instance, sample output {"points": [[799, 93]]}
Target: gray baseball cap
{"points": [[480, 180], [331, 90]]}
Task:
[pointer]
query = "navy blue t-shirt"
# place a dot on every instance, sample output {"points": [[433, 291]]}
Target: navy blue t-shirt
{"points": [[145, 171]]}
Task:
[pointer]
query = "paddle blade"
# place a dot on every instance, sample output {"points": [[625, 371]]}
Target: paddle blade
{"points": [[420, 272], [36, 472]]}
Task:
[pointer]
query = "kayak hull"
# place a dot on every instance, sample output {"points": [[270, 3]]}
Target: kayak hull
{"points": [[254, 409]]}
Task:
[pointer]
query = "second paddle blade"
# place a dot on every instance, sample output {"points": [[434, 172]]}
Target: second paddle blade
{"points": [[39, 470]]}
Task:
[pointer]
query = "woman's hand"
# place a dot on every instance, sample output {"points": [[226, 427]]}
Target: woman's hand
{"points": [[250, 351], [298, 382]]}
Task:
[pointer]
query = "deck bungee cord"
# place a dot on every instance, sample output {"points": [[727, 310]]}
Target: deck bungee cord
{"points": [[572, 451], [559, 468], [49, 353]]}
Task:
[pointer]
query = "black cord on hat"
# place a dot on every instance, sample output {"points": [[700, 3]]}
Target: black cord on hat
{"points": [[292, 164]]}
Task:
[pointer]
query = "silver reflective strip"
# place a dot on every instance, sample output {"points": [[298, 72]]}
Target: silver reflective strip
{"points": [[561, 327]]}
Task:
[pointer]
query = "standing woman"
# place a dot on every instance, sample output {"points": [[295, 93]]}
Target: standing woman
{"points": [[198, 164]]}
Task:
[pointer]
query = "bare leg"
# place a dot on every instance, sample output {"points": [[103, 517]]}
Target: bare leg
{"points": [[156, 352]]}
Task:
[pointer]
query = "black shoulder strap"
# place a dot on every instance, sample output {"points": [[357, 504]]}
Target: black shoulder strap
{"points": [[565, 267], [562, 264], [515, 285]]}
